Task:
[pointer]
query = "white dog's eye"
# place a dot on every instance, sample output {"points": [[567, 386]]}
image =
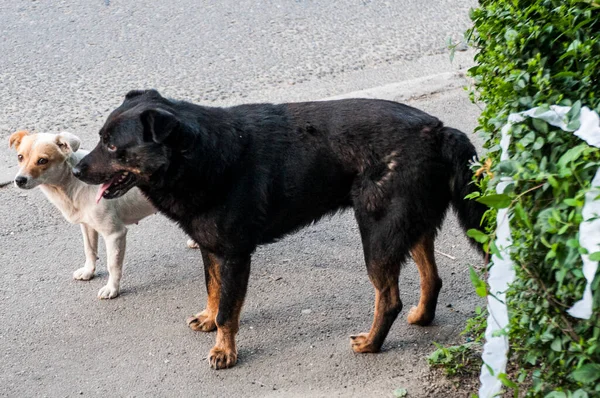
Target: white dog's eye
{"points": [[112, 147], [20, 157], [42, 161]]}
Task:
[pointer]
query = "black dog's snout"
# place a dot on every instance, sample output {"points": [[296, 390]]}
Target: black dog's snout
{"points": [[20, 181], [78, 170]]}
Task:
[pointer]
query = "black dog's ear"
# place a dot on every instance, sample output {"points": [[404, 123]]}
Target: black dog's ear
{"points": [[158, 124], [137, 93]]}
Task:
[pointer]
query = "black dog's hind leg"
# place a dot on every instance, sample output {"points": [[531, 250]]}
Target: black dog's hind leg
{"points": [[383, 267], [392, 223], [204, 321], [234, 274], [431, 284], [384, 276]]}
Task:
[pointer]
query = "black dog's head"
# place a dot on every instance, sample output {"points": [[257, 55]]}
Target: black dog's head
{"points": [[134, 144]]}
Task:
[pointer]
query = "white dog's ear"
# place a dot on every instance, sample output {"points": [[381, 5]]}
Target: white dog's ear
{"points": [[68, 142], [15, 138]]}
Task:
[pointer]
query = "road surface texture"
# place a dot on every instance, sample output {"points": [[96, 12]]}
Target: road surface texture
{"points": [[64, 65]]}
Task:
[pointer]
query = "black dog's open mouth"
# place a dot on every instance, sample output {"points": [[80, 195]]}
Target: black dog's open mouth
{"points": [[117, 186]]}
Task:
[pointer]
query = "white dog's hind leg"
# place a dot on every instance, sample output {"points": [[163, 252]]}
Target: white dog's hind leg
{"points": [[90, 246], [115, 253]]}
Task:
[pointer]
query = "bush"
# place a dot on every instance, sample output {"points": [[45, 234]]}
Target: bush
{"points": [[540, 53]]}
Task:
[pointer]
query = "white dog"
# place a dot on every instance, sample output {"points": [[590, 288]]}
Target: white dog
{"points": [[46, 160]]}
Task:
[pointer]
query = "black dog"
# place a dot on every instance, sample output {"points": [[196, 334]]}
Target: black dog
{"points": [[234, 178]]}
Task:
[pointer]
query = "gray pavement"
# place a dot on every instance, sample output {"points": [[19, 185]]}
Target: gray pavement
{"points": [[65, 65]]}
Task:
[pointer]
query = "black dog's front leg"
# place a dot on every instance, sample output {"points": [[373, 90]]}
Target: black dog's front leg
{"points": [[205, 320], [234, 283]]}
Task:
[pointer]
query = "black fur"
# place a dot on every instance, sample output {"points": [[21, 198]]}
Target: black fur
{"points": [[235, 178]]}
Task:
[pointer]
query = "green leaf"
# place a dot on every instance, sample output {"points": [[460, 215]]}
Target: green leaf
{"points": [[540, 125], [563, 229], [560, 275], [527, 139], [481, 291], [400, 392], [494, 250], [506, 381], [473, 195], [580, 394], [497, 201], [556, 345], [571, 155], [575, 44], [588, 373], [573, 125], [571, 202], [552, 181], [595, 256], [575, 110], [478, 283], [522, 215], [561, 75], [539, 143], [556, 394], [477, 235]]}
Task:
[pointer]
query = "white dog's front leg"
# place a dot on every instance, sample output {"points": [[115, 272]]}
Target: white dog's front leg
{"points": [[90, 246], [115, 253]]}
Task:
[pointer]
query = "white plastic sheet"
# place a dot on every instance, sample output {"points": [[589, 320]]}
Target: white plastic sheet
{"points": [[589, 238], [502, 273]]}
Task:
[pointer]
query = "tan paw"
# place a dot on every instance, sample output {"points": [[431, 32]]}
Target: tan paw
{"points": [[220, 358], [201, 322], [417, 316], [361, 344]]}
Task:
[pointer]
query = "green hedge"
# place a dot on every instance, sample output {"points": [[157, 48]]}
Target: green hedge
{"points": [[539, 53]]}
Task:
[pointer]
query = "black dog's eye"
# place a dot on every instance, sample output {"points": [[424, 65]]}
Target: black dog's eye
{"points": [[42, 161], [20, 157], [111, 147]]}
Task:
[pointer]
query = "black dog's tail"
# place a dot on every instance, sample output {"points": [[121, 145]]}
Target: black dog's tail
{"points": [[458, 151]]}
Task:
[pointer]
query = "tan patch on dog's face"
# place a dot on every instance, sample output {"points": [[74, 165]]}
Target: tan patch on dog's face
{"points": [[36, 156]]}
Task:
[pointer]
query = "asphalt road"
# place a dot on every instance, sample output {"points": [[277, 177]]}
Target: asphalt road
{"points": [[65, 64]]}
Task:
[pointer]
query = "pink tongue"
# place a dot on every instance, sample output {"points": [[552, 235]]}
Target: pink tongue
{"points": [[102, 189]]}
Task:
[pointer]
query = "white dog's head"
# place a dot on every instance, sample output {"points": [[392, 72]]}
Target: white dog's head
{"points": [[43, 158]]}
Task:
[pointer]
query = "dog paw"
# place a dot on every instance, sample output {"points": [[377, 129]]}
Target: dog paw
{"points": [[361, 344], [417, 316], [201, 322], [108, 292], [220, 358], [192, 244], [83, 274]]}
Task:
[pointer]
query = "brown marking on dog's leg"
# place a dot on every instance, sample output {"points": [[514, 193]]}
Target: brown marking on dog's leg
{"points": [[234, 283], [204, 321], [387, 308], [431, 284], [224, 354]]}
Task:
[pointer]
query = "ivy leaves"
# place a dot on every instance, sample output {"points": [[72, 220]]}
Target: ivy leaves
{"points": [[538, 53]]}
